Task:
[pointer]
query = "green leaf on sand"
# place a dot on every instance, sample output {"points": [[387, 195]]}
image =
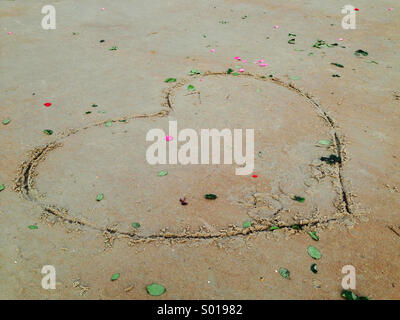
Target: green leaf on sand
{"points": [[247, 224], [360, 52], [292, 41], [6, 121], [229, 71], [274, 228], [313, 235], [136, 225], [191, 87], [115, 276], [113, 48], [299, 199], [210, 196], [349, 295], [170, 80], [100, 197], [48, 132], [294, 78], [108, 123], [314, 252], [155, 289], [324, 142], [285, 273], [2, 187], [193, 72], [162, 173], [337, 65], [32, 227], [313, 268]]}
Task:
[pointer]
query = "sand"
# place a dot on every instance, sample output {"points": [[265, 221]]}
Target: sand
{"points": [[200, 250]]}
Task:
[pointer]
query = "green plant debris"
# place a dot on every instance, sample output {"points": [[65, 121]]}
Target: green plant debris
{"points": [[332, 159], [313, 268], [247, 224], [2, 187], [115, 276], [313, 235], [6, 121], [113, 48], [349, 295], [285, 273], [360, 52], [210, 196], [229, 71], [162, 173], [155, 289], [191, 87], [168, 80], [33, 227], [108, 123], [273, 228], [100, 197], [136, 225], [314, 253], [299, 199], [194, 72], [337, 64], [48, 132]]}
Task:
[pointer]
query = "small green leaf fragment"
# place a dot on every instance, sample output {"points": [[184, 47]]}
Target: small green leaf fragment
{"points": [[162, 173], [324, 142], [2, 187], [113, 48], [360, 52], [247, 224], [108, 123], [235, 73], [337, 65], [136, 225], [273, 228], [210, 196], [349, 295], [94, 105], [285, 273], [168, 80], [314, 252], [115, 276], [299, 199], [313, 268], [292, 41], [48, 132], [33, 227], [194, 72], [295, 78], [6, 121], [313, 235], [229, 71], [100, 197], [191, 87], [155, 289]]}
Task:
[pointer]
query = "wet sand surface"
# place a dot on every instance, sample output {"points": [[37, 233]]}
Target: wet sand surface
{"points": [[202, 250]]}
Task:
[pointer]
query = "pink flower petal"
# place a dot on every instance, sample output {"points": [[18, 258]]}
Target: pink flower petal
{"points": [[201, 79], [390, 9], [340, 39], [276, 27], [10, 33], [241, 70], [168, 138], [244, 61], [102, 9], [260, 61], [263, 64], [237, 58], [212, 50]]}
